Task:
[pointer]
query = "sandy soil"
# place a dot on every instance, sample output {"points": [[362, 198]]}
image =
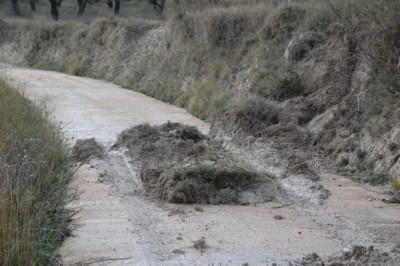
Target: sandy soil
{"points": [[116, 225]]}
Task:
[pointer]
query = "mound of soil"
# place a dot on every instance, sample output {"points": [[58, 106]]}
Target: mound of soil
{"points": [[359, 255], [149, 134], [85, 149], [208, 184], [178, 164]]}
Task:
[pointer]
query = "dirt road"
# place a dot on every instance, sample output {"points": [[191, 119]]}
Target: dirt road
{"points": [[116, 225]]}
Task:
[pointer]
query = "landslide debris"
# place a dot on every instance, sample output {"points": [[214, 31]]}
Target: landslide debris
{"points": [[178, 164], [84, 149], [358, 255]]}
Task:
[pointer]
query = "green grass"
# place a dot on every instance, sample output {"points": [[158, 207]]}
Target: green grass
{"points": [[376, 179], [33, 178]]}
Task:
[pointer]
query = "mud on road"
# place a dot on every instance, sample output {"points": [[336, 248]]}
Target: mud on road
{"points": [[117, 225]]}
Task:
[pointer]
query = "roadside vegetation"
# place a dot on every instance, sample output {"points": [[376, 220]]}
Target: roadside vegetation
{"points": [[33, 178], [328, 71]]}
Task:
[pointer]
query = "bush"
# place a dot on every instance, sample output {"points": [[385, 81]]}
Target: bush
{"points": [[395, 183], [255, 115], [221, 27], [376, 179]]}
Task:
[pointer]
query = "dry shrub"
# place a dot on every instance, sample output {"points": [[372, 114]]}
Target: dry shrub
{"points": [[255, 114], [222, 27], [250, 117], [284, 21], [288, 87]]}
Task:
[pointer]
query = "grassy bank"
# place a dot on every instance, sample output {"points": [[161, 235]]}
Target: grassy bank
{"points": [[33, 178]]}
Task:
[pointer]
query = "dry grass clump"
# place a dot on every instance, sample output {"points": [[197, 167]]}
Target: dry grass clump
{"points": [[222, 27], [250, 117], [144, 133], [255, 114], [33, 177], [205, 183], [284, 21], [84, 149]]}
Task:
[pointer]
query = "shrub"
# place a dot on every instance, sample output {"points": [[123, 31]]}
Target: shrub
{"points": [[254, 115], [376, 179], [395, 183]]}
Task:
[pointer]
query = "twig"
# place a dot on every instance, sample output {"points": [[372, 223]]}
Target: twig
{"points": [[285, 205], [226, 144]]}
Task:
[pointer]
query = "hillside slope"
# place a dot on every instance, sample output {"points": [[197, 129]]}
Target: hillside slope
{"points": [[310, 76]]}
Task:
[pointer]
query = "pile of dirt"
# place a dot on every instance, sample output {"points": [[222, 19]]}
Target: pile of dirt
{"points": [[84, 149], [358, 255], [145, 133], [178, 164], [208, 184]]}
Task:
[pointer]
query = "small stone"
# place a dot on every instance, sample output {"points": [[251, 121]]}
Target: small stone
{"points": [[198, 209]]}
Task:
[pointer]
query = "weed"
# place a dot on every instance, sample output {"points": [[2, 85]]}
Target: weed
{"points": [[79, 70], [255, 115], [344, 171], [376, 179]]}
